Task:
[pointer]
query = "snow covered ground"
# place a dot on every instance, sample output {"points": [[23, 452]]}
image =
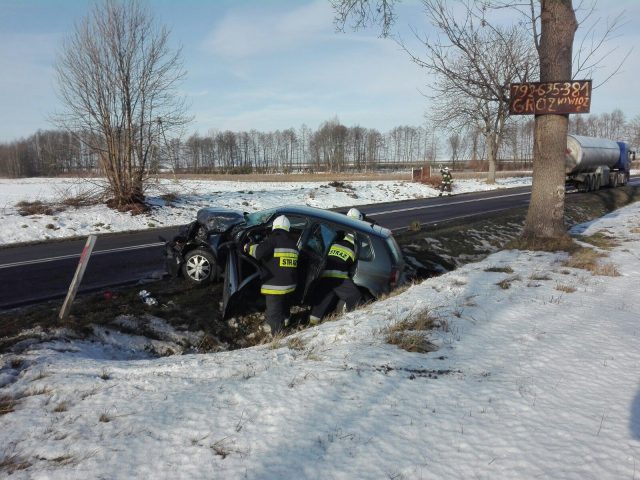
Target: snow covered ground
{"points": [[535, 376], [176, 202]]}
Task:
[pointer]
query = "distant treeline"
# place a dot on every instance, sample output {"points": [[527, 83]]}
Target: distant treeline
{"points": [[333, 147]]}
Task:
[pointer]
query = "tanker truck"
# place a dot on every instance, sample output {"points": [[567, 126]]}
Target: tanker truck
{"points": [[592, 163]]}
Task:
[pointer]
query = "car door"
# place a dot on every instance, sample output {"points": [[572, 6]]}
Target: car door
{"points": [[313, 254], [241, 270]]}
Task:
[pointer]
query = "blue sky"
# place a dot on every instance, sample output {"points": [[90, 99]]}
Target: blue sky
{"points": [[269, 64]]}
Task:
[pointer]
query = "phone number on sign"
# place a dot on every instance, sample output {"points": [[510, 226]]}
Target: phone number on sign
{"points": [[552, 97]]}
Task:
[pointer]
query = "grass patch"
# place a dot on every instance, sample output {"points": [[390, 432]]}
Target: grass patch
{"points": [[409, 335], [422, 320], [561, 244], [61, 460], [600, 239], [170, 197], [635, 230], [61, 407], [499, 269], [104, 418], [607, 270], [539, 276], [415, 226], [83, 199], [588, 259], [36, 207], [506, 283], [65, 200], [584, 258], [411, 342], [33, 392], [341, 186], [565, 288], [13, 463], [275, 341], [295, 343], [7, 404]]}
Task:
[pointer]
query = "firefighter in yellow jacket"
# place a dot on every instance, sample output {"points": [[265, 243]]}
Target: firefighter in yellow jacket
{"points": [[447, 180], [278, 254], [336, 283]]}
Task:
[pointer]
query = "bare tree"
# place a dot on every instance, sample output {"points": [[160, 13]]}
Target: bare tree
{"points": [[633, 132], [328, 145], [545, 217], [363, 13], [454, 141], [474, 63], [117, 77]]}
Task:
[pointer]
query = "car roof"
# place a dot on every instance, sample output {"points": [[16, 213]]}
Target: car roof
{"points": [[334, 217]]}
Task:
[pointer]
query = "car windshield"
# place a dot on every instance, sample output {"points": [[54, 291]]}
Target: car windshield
{"points": [[258, 218]]}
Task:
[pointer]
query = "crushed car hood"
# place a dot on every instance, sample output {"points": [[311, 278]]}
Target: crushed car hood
{"points": [[219, 220]]}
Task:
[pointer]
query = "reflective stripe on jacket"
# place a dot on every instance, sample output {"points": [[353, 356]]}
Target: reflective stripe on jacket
{"points": [[340, 258], [279, 256]]}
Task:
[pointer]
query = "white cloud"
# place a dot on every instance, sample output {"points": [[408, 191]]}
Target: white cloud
{"points": [[249, 33]]}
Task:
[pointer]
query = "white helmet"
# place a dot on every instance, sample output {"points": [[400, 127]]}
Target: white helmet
{"points": [[446, 169], [281, 222], [355, 213]]}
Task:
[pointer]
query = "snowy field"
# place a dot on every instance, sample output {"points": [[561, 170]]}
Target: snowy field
{"points": [[534, 378], [176, 202]]}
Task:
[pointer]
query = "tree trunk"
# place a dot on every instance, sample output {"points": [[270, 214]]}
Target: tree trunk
{"points": [[545, 218], [492, 155]]}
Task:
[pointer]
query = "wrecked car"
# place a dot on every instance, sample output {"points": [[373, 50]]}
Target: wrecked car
{"points": [[210, 248]]}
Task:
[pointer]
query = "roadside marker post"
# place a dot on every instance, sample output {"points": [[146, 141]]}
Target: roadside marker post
{"points": [[77, 278]]}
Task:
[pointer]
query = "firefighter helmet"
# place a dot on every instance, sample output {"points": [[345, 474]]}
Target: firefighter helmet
{"points": [[355, 213], [282, 223]]}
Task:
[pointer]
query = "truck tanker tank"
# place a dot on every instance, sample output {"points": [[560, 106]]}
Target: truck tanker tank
{"points": [[586, 154]]}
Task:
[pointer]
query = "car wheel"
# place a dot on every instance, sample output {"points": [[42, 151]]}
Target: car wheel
{"points": [[199, 266]]}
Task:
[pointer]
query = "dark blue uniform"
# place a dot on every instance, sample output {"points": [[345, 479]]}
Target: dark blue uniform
{"points": [[336, 283], [279, 256]]}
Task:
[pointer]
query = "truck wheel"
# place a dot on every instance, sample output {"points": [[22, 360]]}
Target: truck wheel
{"points": [[199, 266]]}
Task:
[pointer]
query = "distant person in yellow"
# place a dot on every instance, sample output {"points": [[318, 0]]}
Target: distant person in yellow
{"points": [[446, 182]]}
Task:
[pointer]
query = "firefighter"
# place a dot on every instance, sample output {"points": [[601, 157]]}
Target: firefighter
{"points": [[447, 180], [336, 283], [279, 256], [355, 213]]}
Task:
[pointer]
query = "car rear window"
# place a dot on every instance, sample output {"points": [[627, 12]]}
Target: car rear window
{"points": [[396, 253], [365, 252]]}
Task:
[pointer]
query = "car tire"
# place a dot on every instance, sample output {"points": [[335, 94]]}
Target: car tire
{"points": [[199, 267]]}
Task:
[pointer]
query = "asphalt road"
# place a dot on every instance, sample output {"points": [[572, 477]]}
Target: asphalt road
{"points": [[39, 272]]}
